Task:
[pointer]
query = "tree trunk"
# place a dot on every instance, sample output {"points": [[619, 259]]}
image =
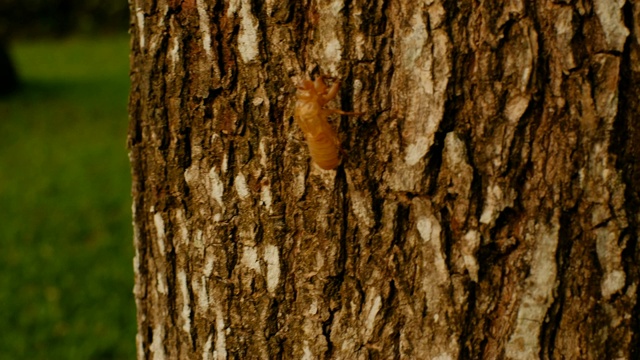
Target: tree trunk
{"points": [[486, 206], [8, 75]]}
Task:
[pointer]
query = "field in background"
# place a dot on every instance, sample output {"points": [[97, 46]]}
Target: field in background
{"points": [[66, 248]]}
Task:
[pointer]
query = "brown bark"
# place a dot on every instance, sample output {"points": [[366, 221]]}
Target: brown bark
{"points": [[485, 207]]}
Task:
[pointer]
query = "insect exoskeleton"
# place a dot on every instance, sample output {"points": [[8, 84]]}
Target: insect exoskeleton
{"points": [[311, 115]]}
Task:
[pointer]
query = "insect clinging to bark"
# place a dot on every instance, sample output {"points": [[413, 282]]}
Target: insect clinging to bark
{"points": [[311, 116]]}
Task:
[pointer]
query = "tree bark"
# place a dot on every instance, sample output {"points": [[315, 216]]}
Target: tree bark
{"points": [[486, 206]]}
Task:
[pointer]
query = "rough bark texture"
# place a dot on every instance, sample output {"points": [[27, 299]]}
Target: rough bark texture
{"points": [[486, 206]]}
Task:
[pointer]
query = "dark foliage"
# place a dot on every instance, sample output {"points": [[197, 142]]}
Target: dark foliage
{"points": [[54, 18]]}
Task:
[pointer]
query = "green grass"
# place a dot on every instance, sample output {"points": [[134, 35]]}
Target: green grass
{"points": [[65, 221]]}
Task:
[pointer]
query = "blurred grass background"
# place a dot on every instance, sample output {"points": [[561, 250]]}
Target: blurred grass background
{"points": [[66, 250]]}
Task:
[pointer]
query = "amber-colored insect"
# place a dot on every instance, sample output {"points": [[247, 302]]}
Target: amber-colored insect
{"points": [[311, 116]]}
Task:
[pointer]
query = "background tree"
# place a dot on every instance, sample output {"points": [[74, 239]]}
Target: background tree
{"points": [[486, 204], [8, 74]]}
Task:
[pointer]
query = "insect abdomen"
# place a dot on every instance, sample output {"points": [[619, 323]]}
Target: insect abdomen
{"points": [[324, 150]]}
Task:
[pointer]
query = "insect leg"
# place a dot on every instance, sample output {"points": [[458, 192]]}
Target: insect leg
{"points": [[341, 112], [319, 85], [333, 91]]}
